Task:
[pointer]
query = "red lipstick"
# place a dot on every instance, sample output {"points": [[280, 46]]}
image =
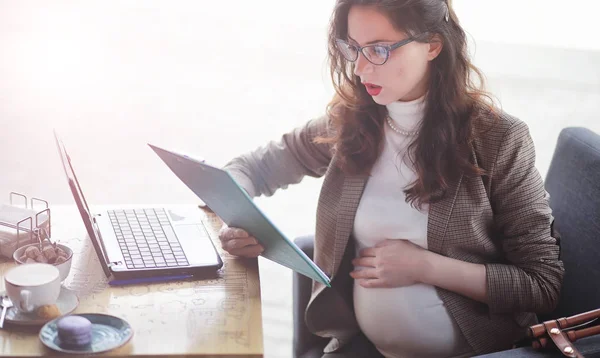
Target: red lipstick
{"points": [[372, 89]]}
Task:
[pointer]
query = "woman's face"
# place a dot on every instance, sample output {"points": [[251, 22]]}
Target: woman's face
{"points": [[404, 76]]}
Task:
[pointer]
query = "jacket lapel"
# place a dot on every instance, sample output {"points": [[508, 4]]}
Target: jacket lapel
{"points": [[351, 192], [350, 198], [439, 215]]}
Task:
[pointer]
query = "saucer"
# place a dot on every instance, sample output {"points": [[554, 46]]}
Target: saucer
{"points": [[108, 333], [67, 302]]}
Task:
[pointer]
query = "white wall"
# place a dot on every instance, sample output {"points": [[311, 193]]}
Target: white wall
{"points": [[222, 77], [548, 23]]}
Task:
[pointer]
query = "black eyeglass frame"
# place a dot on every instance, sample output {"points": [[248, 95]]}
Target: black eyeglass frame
{"points": [[388, 48]]}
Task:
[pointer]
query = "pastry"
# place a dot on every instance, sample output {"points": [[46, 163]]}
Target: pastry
{"points": [[74, 331], [49, 253], [48, 312], [32, 252]]}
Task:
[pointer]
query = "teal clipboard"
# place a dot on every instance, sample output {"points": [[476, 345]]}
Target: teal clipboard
{"points": [[224, 196]]}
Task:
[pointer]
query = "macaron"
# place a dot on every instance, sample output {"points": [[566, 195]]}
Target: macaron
{"points": [[74, 331]]}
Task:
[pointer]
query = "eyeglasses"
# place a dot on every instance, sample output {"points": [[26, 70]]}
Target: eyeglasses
{"points": [[377, 54]]}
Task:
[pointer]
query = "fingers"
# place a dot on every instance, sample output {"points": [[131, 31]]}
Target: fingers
{"points": [[364, 262], [367, 273], [228, 233], [368, 252], [368, 278], [248, 251], [373, 283], [238, 242]]}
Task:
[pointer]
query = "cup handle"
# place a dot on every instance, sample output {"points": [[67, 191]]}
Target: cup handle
{"points": [[24, 304]]}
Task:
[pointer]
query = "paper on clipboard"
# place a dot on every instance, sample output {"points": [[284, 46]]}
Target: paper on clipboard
{"points": [[231, 203]]}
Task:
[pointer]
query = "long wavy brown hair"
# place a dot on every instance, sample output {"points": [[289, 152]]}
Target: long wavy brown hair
{"points": [[440, 152]]}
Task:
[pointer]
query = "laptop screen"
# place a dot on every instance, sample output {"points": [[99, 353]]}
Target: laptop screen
{"points": [[82, 205]]}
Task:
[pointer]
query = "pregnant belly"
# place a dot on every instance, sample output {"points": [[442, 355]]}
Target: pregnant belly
{"points": [[408, 322]]}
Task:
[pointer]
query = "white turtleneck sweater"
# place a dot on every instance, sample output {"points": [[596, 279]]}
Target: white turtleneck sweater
{"points": [[407, 321]]}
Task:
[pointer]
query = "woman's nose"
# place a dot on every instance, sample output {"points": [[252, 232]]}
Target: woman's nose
{"points": [[362, 65]]}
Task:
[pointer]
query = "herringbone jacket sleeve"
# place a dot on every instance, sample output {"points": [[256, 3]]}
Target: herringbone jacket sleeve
{"points": [[529, 279]]}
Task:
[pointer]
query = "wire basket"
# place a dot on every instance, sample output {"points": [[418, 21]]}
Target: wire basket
{"points": [[22, 223]]}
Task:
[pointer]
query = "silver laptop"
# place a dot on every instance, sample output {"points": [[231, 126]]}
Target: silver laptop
{"points": [[145, 242]]}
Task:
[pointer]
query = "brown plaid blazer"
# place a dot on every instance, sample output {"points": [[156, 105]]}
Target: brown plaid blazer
{"points": [[502, 220]]}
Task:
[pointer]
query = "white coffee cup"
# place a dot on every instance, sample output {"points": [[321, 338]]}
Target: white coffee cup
{"points": [[32, 285]]}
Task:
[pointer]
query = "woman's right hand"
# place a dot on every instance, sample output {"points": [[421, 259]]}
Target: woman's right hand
{"points": [[238, 242]]}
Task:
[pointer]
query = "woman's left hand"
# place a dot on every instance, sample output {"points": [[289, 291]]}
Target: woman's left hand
{"points": [[391, 263]]}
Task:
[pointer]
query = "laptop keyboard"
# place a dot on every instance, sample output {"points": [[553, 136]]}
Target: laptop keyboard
{"points": [[147, 239]]}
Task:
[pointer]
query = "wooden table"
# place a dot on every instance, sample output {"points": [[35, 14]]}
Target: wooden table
{"points": [[203, 318]]}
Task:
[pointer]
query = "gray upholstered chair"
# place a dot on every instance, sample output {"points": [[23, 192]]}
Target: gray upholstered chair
{"points": [[573, 182]]}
